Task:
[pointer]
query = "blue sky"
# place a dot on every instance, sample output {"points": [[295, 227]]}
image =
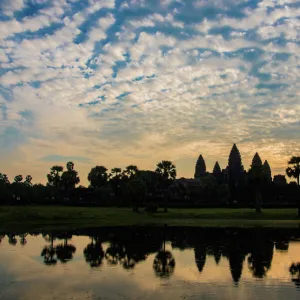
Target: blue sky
{"points": [[117, 82]]}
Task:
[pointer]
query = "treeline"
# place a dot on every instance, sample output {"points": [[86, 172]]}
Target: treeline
{"points": [[129, 186], [156, 188]]}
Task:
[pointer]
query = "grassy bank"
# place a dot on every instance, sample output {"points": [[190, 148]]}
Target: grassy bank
{"points": [[60, 217]]}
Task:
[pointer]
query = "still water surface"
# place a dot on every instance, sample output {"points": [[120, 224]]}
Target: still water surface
{"points": [[151, 263]]}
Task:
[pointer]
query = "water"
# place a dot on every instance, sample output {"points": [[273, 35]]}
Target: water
{"points": [[151, 263]]}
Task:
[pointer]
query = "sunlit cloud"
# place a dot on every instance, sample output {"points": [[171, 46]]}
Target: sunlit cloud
{"points": [[122, 82]]}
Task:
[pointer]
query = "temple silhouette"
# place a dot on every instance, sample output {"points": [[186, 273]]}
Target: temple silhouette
{"points": [[233, 184], [234, 173]]}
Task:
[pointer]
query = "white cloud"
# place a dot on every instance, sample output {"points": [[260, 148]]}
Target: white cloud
{"points": [[9, 7], [185, 93]]}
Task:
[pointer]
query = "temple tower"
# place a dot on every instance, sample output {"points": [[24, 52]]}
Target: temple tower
{"points": [[200, 169], [235, 167], [267, 171], [256, 161], [217, 170]]}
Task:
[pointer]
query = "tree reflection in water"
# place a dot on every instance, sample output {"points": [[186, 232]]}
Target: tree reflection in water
{"points": [[260, 258], [62, 252], [65, 252], [94, 253], [12, 239], [49, 252], [23, 240], [295, 272], [164, 262], [129, 246], [2, 236]]}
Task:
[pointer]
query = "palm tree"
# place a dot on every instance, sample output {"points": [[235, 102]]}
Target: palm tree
{"points": [[130, 171], [294, 171], [49, 252], [94, 253], [54, 177], [18, 178], [167, 174], [28, 180], [70, 177], [260, 259], [164, 262], [64, 252], [23, 240], [115, 253], [12, 239], [98, 176]]}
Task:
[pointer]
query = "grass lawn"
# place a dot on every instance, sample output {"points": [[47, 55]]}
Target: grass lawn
{"points": [[60, 217]]}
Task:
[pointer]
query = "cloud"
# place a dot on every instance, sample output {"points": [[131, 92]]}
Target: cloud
{"points": [[139, 81], [62, 158]]}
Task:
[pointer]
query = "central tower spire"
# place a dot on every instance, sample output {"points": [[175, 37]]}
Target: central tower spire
{"points": [[200, 169]]}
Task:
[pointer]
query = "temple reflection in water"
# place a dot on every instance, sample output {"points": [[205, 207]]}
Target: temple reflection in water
{"points": [[128, 247]]}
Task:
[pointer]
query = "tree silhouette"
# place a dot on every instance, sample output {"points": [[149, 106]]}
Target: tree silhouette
{"points": [[167, 174], [115, 178], [28, 180], [98, 176], [94, 253], [136, 189], [54, 177], [70, 177], [131, 171], [295, 272], [18, 179], [294, 171], [3, 179]]}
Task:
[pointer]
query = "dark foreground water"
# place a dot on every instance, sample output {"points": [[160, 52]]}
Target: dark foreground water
{"points": [[151, 263]]}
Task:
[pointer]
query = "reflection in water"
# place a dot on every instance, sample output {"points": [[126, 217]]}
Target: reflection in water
{"points": [[295, 272], [260, 258], [200, 256], [49, 252], [23, 240], [94, 253], [12, 239], [62, 252], [245, 253]]}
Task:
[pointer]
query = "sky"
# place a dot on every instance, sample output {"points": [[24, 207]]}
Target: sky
{"points": [[119, 82]]}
